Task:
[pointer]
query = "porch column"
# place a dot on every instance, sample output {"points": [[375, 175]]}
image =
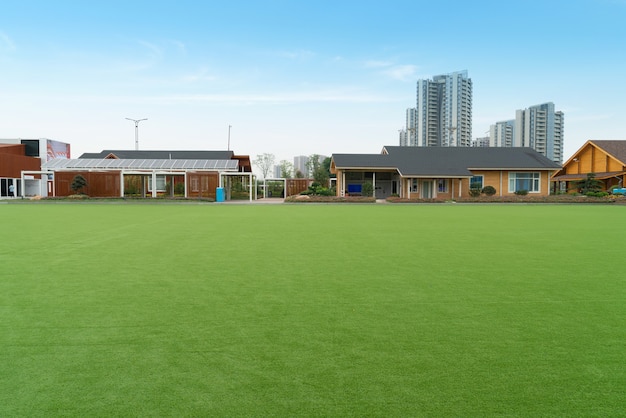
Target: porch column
{"points": [[343, 184], [154, 188], [250, 185], [374, 184], [121, 183]]}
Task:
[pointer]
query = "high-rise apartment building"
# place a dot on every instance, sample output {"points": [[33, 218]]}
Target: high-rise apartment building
{"points": [[541, 127], [481, 142], [502, 134], [443, 116], [403, 139], [408, 135], [300, 164]]}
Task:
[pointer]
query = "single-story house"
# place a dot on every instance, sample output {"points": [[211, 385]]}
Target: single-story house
{"points": [[606, 159], [116, 173], [443, 172]]}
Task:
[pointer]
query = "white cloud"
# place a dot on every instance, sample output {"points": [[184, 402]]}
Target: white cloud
{"points": [[300, 54], [155, 51], [406, 72], [6, 43], [402, 72], [201, 75], [180, 46], [378, 64], [278, 98]]}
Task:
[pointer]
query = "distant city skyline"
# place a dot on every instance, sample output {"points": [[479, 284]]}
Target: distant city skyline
{"points": [[540, 127], [297, 78]]}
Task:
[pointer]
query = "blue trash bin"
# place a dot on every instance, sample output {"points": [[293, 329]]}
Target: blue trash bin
{"points": [[219, 194]]}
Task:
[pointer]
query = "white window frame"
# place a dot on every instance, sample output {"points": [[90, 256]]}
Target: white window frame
{"points": [[444, 183], [160, 182], [534, 176], [482, 181]]}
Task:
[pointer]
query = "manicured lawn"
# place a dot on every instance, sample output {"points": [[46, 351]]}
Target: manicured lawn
{"points": [[312, 310]]}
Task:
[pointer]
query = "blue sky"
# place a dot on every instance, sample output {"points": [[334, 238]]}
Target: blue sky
{"points": [[295, 77]]}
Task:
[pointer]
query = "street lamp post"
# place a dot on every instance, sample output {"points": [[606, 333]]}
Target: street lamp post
{"points": [[136, 131]]}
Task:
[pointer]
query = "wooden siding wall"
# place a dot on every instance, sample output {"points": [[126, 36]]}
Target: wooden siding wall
{"points": [[592, 160], [99, 184], [296, 186], [12, 164], [202, 184], [492, 178]]}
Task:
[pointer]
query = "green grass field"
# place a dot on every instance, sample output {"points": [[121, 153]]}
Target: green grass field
{"points": [[312, 310]]}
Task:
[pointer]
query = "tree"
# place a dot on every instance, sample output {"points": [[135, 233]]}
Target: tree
{"points": [[316, 168], [286, 169], [590, 184], [326, 165], [299, 174], [265, 162], [78, 182]]}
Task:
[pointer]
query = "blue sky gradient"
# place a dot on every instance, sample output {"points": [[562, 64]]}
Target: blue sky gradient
{"points": [[297, 78]]}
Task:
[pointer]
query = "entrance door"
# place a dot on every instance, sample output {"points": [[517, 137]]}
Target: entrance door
{"points": [[427, 190]]}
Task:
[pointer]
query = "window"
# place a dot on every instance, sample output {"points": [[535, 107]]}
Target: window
{"points": [[160, 183], [414, 185], [442, 185], [193, 182], [524, 181], [476, 182]]}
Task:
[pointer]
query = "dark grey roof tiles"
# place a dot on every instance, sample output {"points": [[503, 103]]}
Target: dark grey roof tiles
{"points": [[162, 155], [614, 147], [446, 161]]}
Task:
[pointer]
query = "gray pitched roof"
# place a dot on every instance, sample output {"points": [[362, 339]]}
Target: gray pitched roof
{"points": [[614, 147], [363, 161], [161, 155], [446, 161]]}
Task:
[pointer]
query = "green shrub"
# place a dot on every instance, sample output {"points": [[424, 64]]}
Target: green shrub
{"points": [[367, 189], [521, 192], [316, 189], [474, 191], [489, 190], [78, 183], [596, 194]]}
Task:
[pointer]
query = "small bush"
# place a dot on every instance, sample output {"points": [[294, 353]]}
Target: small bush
{"points": [[474, 192], [596, 194], [521, 192], [489, 190], [367, 189], [315, 189], [78, 183]]}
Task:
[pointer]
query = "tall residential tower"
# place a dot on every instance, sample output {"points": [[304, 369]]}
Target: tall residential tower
{"points": [[539, 127], [444, 111]]}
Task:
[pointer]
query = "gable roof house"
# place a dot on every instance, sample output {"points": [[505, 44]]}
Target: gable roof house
{"points": [[443, 172], [604, 158]]}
